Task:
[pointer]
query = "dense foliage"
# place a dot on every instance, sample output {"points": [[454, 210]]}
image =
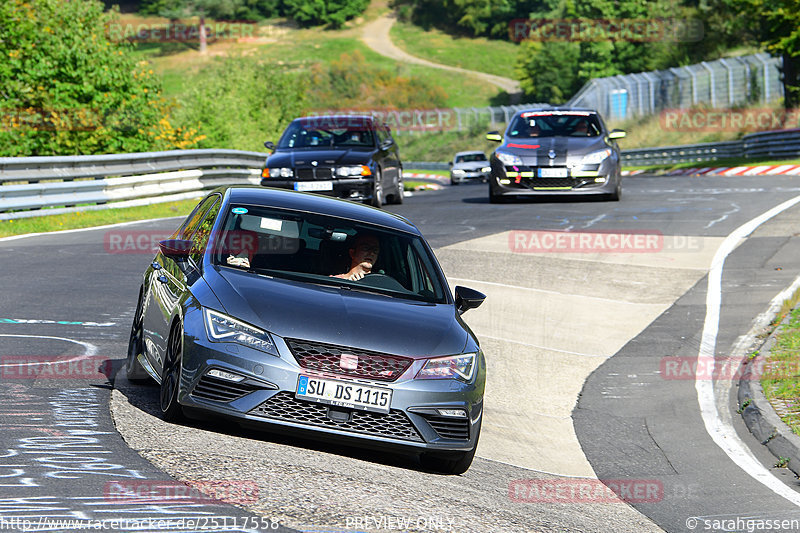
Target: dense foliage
{"points": [[305, 12], [67, 89]]}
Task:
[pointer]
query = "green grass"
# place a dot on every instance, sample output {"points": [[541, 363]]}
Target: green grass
{"points": [[85, 219], [781, 378], [298, 49], [484, 55]]}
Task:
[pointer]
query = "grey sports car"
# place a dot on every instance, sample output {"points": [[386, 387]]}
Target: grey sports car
{"points": [[300, 312], [555, 151]]}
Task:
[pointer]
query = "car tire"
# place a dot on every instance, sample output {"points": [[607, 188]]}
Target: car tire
{"points": [[397, 197], [617, 194], [377, 190], [453, 464], [134, 370], [453, 182], [496, 198], [171, 410]]}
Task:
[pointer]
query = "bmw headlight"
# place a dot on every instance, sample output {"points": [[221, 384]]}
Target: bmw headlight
{"points": [[508, 159], [223, 328], [595, 158], [277, 172], [360, 170], [459, 367]]}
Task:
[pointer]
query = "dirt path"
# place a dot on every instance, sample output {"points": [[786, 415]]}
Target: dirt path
{"points": [[376, 36]]}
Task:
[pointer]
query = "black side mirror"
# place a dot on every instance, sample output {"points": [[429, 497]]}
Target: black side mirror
{"points": [[467, 299], [175, 249], [387, 144], [270, 146]]}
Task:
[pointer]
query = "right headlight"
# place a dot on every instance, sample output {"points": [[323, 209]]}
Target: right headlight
{"points": [[508, 159], [458, 171], [223, 328], [459, 367], [277, 172]]}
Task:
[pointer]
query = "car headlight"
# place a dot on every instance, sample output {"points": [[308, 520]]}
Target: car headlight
{"points": [[458, 171], [486, 169], [508, 159], [360, 170], [277, 172], [459, 367], [223, 328], [595, 158]]}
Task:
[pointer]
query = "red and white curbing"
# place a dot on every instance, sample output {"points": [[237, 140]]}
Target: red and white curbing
{"points": [[435, 177], [761, 170]]}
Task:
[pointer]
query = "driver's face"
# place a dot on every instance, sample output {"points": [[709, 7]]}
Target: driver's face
{"points": [[366, 250]]}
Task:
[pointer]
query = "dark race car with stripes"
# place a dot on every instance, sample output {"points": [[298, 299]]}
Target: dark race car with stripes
{"points": [[553, 152]]}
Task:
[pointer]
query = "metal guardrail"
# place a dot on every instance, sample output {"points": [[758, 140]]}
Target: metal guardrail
{"points": [[29, 184], [779, 144]]}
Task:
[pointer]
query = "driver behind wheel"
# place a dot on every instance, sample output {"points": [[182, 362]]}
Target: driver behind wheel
{"points": [[363, 255]]}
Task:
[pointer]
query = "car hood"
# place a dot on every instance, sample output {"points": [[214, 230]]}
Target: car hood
{"points": [[474, 165], [325, 158], [346, 318], [562, 146]]}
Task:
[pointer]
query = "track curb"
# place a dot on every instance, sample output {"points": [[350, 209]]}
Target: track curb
{"points": [[760, 417]]}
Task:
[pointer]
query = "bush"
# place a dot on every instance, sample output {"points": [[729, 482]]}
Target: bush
{"points": [[316, 12], [240, 102], [68, 89]]}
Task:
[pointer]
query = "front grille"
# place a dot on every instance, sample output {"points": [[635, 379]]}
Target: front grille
{"points": [[284, 406], [449, 427], [328, 358], [314, 173], [551, 182], [219, 390]]}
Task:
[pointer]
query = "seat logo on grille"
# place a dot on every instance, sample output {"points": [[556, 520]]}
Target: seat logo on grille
{"points": [[348, 361]]}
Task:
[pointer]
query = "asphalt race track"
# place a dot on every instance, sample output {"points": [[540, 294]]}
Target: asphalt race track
{"points": [[578, 336]]}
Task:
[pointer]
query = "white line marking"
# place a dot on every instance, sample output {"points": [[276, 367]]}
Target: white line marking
{"points": [[723, 434], [91, 228], [544, 347], [90, 349]]}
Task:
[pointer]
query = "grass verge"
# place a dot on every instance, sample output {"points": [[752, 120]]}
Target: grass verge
{"points": [[781, 377], [86, 219], [491, 56]]}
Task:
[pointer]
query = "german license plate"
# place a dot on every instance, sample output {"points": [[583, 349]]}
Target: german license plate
{"points": [[553, 173], [313, 186], [344, 394]]}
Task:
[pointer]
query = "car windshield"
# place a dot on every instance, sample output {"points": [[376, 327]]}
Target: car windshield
{"points": [[326, 132], [545, 124], [320, 249], [470, 158]]}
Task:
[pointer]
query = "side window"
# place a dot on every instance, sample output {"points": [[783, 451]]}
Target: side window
{"points": [[383, 134], [188, 227], [200, 237]]}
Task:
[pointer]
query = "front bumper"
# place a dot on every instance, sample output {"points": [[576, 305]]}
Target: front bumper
{"points": [[361, 189], [266, 399], [469, 176], [601, 179]]}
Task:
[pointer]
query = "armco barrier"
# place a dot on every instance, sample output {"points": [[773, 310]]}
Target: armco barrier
{"points": [[33, 183]]}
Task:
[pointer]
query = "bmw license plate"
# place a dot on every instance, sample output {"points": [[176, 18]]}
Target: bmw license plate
{"points": [[553, 173], [344, 394], [313, 186]]}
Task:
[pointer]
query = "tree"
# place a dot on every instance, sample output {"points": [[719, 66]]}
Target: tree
{"points": [[778, 27], [181, 9], [67, 88], [315, 12]]}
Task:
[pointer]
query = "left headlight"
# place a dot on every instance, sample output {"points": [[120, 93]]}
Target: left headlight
{"points": [[223, 328], [459, 367], [360, 170], [595, 158]]}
